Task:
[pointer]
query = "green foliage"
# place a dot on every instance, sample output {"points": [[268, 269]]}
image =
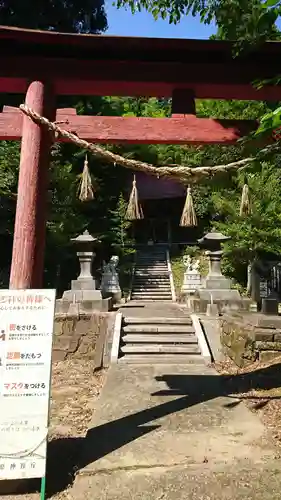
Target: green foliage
{"points": [[120, 227], [122, 244], [259, 234], [270, 123], [82, 16], [242, 20], [178, 272], [192, 251]]}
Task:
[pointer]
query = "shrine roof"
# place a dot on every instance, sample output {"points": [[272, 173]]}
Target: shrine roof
{"points": [[135, 66]]}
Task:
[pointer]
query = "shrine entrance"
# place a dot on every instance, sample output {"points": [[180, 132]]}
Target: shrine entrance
{"points": [[156, 230], [43, 65]]}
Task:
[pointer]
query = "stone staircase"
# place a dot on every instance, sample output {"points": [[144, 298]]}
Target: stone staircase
{"points": [[151, 280], [154, 340]]}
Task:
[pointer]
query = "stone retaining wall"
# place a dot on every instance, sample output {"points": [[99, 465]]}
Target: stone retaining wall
{"points": [[76, 335], [250, 337]]}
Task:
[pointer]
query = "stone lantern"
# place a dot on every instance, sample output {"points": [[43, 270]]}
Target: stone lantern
{"points": [[212, 242], [84, 287], [216, 288]]}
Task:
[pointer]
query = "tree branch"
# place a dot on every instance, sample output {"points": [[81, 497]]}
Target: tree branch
{"points": [[183, 174]]}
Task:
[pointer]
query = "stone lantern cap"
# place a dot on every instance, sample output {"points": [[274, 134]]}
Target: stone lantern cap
{"points": [[214, 236], [86, 237]]}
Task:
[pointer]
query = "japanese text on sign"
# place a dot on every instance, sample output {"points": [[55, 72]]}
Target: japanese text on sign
{"points": [[26, 330]]}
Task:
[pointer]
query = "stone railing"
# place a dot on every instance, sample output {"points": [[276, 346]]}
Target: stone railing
{"points": [[250, 337]]}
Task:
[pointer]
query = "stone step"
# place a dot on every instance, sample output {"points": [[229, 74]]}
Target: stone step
{"points": [[149, 279], [144, 289], [128, 320], [158, 348], [143, 285], [169, 338], [158, 328], [165, 359], [152, 299], [152, 274], [160, 287], [146, 262], [160, 258], [151, 269], [151, 262], [152, 277], [157, 291], [151, 288], [155, 273], [138, 296], [151, 295], [152, 284]]}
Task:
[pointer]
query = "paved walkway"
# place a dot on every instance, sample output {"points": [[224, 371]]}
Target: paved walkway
{"points": [[172, 433]]}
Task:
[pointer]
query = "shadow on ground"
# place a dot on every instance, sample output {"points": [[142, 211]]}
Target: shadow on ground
{"points": [[65, 457]]}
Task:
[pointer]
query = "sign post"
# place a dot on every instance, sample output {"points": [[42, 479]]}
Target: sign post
{"points": [[26, 332]]}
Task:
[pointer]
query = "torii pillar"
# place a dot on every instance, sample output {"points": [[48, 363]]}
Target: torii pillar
{"points": [[30, 225]]}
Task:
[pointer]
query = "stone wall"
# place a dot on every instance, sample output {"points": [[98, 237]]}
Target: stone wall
{"points": [[80, 335], [250, 337]]}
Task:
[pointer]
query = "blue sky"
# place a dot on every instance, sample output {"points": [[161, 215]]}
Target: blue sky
{"points": [[121, 22]]}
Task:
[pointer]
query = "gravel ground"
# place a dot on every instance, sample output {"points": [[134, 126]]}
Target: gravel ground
{"points": [[259, 386]]}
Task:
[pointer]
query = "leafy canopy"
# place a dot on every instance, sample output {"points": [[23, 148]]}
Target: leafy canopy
{"points": [[242, 20], [82, 16]]}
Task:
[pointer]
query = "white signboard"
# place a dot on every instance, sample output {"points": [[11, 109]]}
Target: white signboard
{"points": [[26, 331]]}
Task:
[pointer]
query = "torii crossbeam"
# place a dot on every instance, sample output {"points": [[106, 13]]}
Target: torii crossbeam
{"points": [[131, 130]]}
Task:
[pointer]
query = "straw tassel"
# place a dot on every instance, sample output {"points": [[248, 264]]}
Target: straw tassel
{"points": [[188, 218], [86, 191], [245, 205], [134, 209]]}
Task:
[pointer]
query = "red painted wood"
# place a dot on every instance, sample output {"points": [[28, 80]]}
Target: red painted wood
{"points": [[18, 85], [112, 129], [30, 224], [105, 65]]}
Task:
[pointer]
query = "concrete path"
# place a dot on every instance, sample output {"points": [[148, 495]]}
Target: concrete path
{"points": [[171, 433]]}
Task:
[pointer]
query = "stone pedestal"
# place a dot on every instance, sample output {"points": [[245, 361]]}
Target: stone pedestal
{"points": [[215, 280], [191, 282], [269, 306]]}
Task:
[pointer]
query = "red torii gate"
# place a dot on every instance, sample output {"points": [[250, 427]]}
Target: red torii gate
{"points": [[43, 65]]}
